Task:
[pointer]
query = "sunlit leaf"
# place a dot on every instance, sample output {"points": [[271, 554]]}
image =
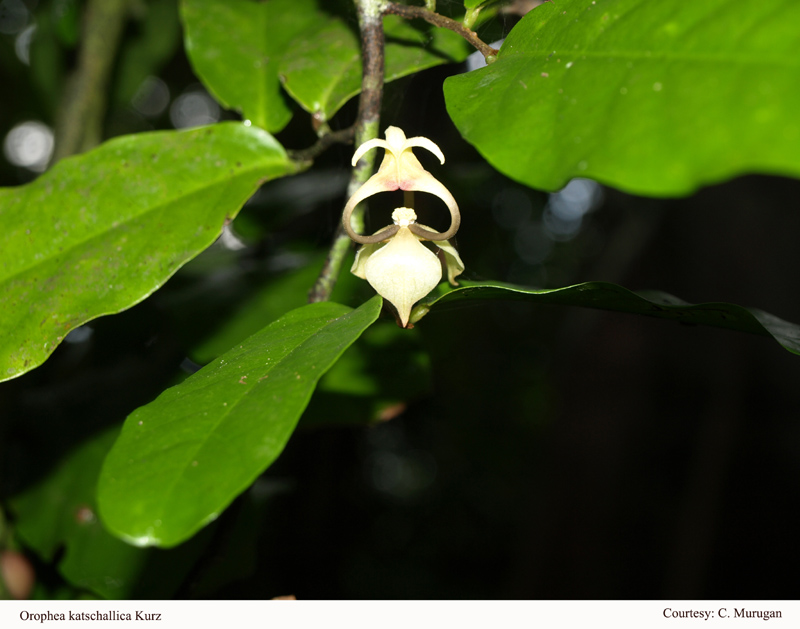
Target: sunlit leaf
{"points": [[103, 230], [183, 458], [608, 296], [655, 98]]}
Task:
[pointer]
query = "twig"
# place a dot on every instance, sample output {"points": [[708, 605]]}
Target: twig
{"points": [[343, 136], [366, 128], [412, 12], [79, 123]]}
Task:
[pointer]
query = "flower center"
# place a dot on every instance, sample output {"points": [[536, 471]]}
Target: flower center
{"points": [[404, 216]]}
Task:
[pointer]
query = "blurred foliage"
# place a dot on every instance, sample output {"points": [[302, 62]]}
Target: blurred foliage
{"points": [[501, 449]]}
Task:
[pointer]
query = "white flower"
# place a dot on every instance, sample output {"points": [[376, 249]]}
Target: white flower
{"points": [[393, 260]]}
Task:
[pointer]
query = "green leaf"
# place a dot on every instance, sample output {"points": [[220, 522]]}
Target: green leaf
{"points": [[362, 386], [322, 68], [606, 296], [60, 512], [236, 48], [183, 458], [103, 230], [655, 98]]}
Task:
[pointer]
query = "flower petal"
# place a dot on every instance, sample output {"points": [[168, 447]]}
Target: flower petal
{"points": [[362, 255], [403, 272], [455, 266], [400, 169], [433, 186], [426, 144], [396, 138], [368, 146]]}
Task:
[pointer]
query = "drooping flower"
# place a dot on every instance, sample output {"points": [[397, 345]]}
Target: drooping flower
{"points": [[393, 260]]}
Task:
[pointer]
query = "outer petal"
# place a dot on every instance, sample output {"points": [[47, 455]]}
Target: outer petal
{"points": [[455, 266], [379, 182], [434, 186], [362, 255]]}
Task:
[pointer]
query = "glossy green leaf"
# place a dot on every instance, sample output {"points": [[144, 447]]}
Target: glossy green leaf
{"points": [[183, 458], [60, 512], [236, 48], [103, 230], [656, 98], [322, 69], [606, 296]]}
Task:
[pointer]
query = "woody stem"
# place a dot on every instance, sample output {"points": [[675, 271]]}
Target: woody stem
{"points": [[411, 12], [366, 128]]}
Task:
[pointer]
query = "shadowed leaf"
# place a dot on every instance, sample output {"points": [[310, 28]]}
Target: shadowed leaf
{"points": [[606, 296]]}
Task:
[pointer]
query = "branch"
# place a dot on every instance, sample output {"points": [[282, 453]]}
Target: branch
{"points": [[344, 136], [412, 12], [370, 22], [79, 122]]}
